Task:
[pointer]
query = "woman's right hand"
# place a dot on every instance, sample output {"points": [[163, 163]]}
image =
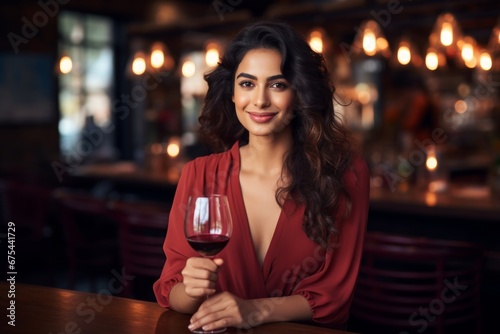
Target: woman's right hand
{"points": [[199, 276]]}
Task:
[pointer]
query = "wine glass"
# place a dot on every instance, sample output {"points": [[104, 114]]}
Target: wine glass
{"points": [[208, 227]]}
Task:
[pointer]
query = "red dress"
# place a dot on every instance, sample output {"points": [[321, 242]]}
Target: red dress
{"points": [[293, 264]]}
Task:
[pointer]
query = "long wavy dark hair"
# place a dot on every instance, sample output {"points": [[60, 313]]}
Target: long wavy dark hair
{"points": [[321, 150]]}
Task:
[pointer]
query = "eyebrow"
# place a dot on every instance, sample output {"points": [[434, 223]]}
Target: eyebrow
{"points": [[253, 77]]}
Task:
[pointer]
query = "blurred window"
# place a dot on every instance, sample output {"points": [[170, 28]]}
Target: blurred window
{"points": [[85, 92]]}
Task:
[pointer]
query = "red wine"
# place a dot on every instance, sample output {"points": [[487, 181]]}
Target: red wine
{"points": [[208, 244]]}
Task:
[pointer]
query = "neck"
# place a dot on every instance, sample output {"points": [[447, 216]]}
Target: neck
{"points": [[265, 155]]}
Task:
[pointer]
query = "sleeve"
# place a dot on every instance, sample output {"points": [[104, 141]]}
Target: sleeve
{"points": [[330, 290], [176, 248]]}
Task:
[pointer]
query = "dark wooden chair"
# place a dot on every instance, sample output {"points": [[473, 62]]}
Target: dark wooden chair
{"points": [[91, 236], [143, 227], [417, 284]]}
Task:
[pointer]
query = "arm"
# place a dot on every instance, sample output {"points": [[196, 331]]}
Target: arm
{"points": [[330, 290], [323, 297], [225, 309], [169, 289], [199, 277]]}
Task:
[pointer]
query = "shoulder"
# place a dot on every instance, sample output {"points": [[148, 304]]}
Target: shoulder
{"points": [[212, 161]]}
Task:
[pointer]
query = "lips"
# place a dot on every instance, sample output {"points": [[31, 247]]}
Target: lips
{"points": [[262, 117]]}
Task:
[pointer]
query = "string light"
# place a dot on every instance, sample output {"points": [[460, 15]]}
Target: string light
{"points": [[446, 34], [316, 41], [139, 64], [404, 54], [65, 64], [485, 61], [369, 43], [188, 69], [212, 54], [431, 60], [370, 40], [157, 55]]}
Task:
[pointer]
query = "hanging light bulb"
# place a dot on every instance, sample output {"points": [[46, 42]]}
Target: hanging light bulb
{"points": [[369, 43], [485, 60], [188, 69], [316, 41], [431, 60], [382, 44], [468, 46], [157, 55], [446, 34], [161, 59], [370, 40], [139, 63], [65, 64], [404, 53], [212, 54]]}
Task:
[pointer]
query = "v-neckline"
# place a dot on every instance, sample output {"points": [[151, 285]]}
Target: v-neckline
{"points": [[270, 253]]}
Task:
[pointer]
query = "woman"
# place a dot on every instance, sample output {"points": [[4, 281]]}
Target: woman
{"points": [[298, 193]]}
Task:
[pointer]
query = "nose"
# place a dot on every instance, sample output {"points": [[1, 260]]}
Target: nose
{"points": [[260, 97]]}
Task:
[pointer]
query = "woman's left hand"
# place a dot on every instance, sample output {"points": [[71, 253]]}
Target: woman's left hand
{"points": [[226, 310]]}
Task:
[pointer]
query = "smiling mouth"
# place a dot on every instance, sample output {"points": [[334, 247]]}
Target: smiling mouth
{"points": [[262, 117]]}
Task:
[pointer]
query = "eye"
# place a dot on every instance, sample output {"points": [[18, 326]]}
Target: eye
{"points": [[246, 84], [279, 85]]}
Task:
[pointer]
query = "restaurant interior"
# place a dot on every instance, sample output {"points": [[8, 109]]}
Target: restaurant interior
{"points": [[98, 114]]}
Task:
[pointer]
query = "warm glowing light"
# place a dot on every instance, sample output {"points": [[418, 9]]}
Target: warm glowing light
{"points": [[188, 69], [460, 106], [404, 55], [431, 60], [446, 34], [467, 51], [485, 61], [430, 198], [173, 149], [212, 55], [382, 43], [431, 163], [369, 43], [65, 65], [316, 41], [471, 63], [157, 58], [139, 64], [363, 93]]}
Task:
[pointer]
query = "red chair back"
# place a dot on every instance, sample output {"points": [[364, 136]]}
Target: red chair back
{"points": [[91, 235], [143, 228], [401, 278]]}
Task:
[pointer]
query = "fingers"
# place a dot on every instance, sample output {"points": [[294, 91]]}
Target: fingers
{"points": [[220, 323], [212, 317], [199, 276], [218, 262], [221, 310]]}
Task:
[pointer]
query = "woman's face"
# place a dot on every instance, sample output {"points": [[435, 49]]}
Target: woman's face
{"points": [[263, 98]]}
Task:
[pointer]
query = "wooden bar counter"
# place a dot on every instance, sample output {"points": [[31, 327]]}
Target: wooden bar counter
{"points": [[54, 311]]}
